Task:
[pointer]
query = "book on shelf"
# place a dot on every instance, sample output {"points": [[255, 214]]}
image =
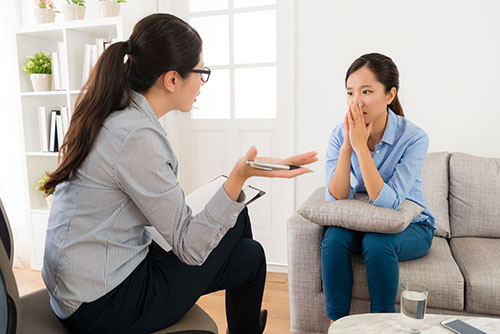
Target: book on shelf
{"points": [[60, 131], [53, 145], [65, 118], [99, 42], [198, 199], [93, 56], [44, 127], [53, 124], [56, 74], [63, 65], [87, 50], [91, 53], [59, 68]]}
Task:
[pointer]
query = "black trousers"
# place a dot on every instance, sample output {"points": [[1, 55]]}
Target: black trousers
{"points": [[162, 289]]}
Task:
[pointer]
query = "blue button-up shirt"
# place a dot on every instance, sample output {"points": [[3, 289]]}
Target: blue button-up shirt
{"points": [[399, 158]]}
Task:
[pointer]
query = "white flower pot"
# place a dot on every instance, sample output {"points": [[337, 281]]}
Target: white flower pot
{"points": [[73, 12], [44, 15], [41, 82], [49, 200], [108, 8]]}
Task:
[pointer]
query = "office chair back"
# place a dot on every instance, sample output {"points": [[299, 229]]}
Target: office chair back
{"points": [[11, 294], [6, 233]]}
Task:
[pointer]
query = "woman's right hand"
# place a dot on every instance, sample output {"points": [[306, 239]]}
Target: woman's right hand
{"points": [[241, 171], [346, 145]]}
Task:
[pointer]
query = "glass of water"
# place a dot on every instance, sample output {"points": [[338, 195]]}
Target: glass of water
{"points": [[413, 304]]}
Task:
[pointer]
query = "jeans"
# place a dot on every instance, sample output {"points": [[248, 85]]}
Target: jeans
{"points": [[381, 253], [162, 289]]}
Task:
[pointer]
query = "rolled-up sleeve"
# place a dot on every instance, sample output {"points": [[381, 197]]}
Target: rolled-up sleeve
{"points": [[332, 157], [408, 169], [143, 170]]}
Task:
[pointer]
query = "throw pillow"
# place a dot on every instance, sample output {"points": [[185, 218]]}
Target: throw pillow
{"points": [[358, 214]]}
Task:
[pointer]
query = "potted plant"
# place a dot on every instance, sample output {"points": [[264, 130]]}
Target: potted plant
{"points": [[49, 196], [74, 10], [39, 67], [45, 12], [109, 8]]}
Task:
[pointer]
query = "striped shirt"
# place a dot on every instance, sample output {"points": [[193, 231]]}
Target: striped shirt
{"points": [[96, 232]]}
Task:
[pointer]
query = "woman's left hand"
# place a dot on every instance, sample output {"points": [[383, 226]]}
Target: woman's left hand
{"points": [[298, 160], [242, 171], [359, 130]]}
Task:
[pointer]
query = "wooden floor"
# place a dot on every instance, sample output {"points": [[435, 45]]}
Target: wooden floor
{"points": [[275, 300]]}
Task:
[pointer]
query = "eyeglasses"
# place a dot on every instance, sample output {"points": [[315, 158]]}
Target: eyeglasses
{"points": [[205, 73]]}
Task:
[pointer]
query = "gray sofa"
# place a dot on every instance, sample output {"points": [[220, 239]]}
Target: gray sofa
{"points": [[462, 268]]}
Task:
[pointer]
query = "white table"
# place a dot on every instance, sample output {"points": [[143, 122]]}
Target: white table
{"points": [[390, 323]]}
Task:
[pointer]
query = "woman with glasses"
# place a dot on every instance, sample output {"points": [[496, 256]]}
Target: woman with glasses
{"points": [[376, 150], [118, 174]]}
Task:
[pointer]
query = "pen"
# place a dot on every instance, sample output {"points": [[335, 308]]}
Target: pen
{"points": [[264, 165]]}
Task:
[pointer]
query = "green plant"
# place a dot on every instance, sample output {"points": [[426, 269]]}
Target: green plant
{"points": [[76, 2], [38, 63], [41, 183]]}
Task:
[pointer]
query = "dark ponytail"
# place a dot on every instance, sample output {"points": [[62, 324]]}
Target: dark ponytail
{"points": [[386, 73], [159, 43], [396, 106]]}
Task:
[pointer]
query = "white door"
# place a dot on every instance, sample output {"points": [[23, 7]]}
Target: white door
{"points": [[248, 100]]}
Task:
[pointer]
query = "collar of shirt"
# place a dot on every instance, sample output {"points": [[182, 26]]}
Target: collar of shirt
{"points": [[390, 128], [139, 101]]}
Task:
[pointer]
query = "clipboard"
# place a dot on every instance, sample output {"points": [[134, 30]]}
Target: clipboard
{"points": [[200, 197], [252, 193]]}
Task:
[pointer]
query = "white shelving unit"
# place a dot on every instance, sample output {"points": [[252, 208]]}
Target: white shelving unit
{"points": [[44, 37]]}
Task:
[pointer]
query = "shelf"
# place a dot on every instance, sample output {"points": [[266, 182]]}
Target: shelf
{"points": [[45, 93], [42, 154], [89, 23], [43, 210], [48, 29]]}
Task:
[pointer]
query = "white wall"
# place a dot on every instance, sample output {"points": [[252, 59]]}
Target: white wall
{"points": [[448, 55]]}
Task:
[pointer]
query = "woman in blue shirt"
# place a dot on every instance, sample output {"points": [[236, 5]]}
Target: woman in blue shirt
{"points": [[378, 151]]}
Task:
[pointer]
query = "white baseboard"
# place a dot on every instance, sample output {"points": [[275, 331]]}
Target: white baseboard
{"points": [[277, 267]]}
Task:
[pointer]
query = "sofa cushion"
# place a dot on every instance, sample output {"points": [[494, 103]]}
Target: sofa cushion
{"points": [[480, 264], [357, 214], [435, 181], [474, 195], [436, 270]]}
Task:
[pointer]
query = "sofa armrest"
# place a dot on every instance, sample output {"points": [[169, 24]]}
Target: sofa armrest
{"points": [[304, 254], [307, 303]]}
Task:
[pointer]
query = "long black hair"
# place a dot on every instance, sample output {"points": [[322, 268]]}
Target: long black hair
{"points": [[385, 71], [159, 43]]}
